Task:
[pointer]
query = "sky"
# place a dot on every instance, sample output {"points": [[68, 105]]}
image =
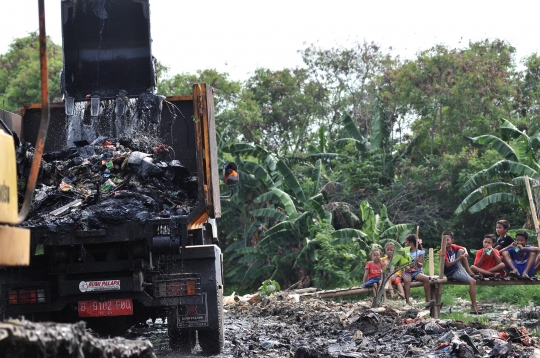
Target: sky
{"points": [[238, 36]]}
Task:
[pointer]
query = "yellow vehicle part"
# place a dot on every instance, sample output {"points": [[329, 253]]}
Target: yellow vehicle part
{"points": [[14, 242], [14, 246], [8, 180]]}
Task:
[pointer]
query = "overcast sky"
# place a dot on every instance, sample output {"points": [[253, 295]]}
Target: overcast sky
{"points": [[237, 36]]}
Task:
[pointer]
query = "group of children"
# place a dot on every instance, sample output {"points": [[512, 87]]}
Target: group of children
{"points": [[500, 256]]}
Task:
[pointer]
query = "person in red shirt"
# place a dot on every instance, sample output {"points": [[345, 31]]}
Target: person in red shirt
{"points": [[488, 261], [373, 272]]}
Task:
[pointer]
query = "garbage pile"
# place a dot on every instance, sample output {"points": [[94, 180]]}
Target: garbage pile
{"points": [[109, 181], [317, 328], [21, 339]]}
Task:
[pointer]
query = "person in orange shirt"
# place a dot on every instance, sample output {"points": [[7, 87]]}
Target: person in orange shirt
{"points": [[230, 174], [372, 275], [488, 260]]}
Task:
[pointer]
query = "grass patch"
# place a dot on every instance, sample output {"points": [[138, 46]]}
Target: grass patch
{"points": [[464, 317], [514, 295]]}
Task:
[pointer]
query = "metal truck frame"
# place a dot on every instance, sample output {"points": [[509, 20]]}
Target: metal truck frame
{"points": [[123, 274]]}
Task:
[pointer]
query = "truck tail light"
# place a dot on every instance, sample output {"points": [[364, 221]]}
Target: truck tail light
{"points": [[191, 287], [21, 296], [177, 285]]}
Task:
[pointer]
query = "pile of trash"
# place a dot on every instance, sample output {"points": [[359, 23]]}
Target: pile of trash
{"points": [[309, 328], [109, 181], [21, 339]]}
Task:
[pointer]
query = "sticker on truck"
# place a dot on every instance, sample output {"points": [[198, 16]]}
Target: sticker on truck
{"points": [[193, 315], [105, 285]]}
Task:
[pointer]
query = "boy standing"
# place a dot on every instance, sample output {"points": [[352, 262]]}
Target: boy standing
{"points": [[453, 267], [373, 272], [520, 257], [488, 261], [504, 241]]}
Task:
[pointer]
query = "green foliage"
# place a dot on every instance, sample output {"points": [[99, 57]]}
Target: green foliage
{"points": [[355, 125], [20, 72], [269, 287], [451, 93], [332, 269], [521, 159], [376, 231]]}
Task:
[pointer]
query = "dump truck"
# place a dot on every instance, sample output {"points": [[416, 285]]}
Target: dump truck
{"points": [[117, 247]]}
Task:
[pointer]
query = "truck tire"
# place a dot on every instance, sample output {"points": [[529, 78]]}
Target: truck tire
{"points": [[180, 340], [212, 340]]}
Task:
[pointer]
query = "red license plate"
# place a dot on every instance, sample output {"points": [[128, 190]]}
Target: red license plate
{"points": [[119, 307]]}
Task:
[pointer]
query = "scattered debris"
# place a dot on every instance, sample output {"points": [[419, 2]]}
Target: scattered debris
{"points": [[320, 328]]}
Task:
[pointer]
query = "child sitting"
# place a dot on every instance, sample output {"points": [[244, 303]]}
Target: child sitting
{"points": [[462, 251], [488, 261], [414, 271], [504, 241], [395, 279], [453, 267], [372, 275], [520, 257]]}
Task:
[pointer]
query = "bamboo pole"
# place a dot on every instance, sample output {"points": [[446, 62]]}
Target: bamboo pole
{"points": [[431, 263], [442, 257], [533, 209], [436, 311]]}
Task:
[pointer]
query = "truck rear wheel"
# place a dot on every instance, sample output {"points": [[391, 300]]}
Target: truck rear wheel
{"points": [[180, 340]]}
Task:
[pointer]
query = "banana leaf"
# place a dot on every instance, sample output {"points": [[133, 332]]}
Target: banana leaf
{"points": [[263, 271], [234, 246], [397, 231], [322, 139], [496, 170], [292, 182], [253, 268], [269, 213], [316, 177], [483, 191], [259, 172], [496, 143], [510, 131], [248, 250], [401, 256], [493, 199], [361, 146], [349, 127], [279, 195], [347, 236]]}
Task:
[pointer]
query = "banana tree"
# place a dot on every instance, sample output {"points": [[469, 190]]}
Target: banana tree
{"points": [[286, 216], [504, 181], [376, 231]]}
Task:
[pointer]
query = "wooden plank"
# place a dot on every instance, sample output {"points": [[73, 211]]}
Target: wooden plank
{"points": [[434, 282], [431, 262]]}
